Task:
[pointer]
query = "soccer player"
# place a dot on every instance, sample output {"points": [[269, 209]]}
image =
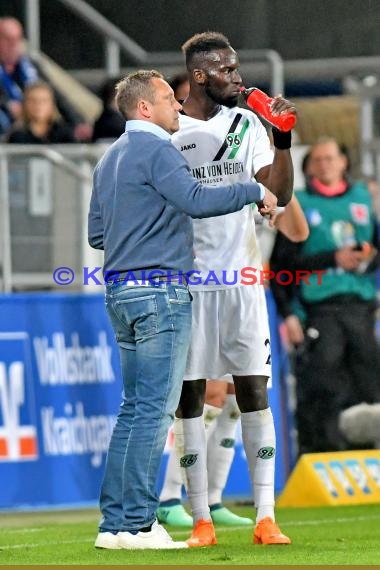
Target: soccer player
{"points": [[230, 332], [221, 414]]}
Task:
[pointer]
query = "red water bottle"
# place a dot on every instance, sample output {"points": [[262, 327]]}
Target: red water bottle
{"points": [[260, 103]]}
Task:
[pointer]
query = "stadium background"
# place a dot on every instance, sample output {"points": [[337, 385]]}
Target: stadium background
{"points": [[305, 35], [310, 30]]}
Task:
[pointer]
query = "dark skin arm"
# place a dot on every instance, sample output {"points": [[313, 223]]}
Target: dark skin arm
{"points": [[279, 176]]}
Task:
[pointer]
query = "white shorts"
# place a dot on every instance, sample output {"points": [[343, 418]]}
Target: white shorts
{"points": [[230, 334]]}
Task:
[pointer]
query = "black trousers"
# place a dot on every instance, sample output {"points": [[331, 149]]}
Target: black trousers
{"points": [[337, 367]]}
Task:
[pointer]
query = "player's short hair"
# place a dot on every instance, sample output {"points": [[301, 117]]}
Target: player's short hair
{"points": [[134, 87], [203, 43]]}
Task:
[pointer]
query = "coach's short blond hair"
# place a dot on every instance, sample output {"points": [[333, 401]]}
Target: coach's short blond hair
{"points": [[134, 87]]}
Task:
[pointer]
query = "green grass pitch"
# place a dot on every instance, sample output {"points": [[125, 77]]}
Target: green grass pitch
{"points": [[321, 536]]}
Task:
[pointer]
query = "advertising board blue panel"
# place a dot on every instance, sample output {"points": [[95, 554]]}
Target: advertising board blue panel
{"points": [[60, 390]]}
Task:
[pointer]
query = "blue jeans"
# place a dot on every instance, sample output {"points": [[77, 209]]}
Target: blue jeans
{"points": [[152, 326]]}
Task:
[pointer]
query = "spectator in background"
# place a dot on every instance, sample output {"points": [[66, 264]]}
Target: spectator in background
{"points": [[330, 316], [40, 122], [180, 85], [17, 71], [110, 124]]}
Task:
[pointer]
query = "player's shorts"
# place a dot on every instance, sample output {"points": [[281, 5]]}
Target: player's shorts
{"points": [[230, 334]]}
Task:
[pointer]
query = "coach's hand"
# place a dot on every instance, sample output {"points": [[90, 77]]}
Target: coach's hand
{"points": [[268, 205]]}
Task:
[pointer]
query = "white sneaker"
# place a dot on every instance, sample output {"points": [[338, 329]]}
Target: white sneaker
{"points": [[107, 540], [156, 539]]}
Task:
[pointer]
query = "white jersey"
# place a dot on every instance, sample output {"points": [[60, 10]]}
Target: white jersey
{"points": [[230, 147]]}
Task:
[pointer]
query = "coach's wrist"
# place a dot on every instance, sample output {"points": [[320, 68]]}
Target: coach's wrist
{"points": [[255, 192], [262, 191]]}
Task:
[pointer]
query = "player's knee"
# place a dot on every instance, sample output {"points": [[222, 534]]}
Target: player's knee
{"points": [[257, 402], [232, 410], [252, 393], [259, 399], [192, 399], [210, 414]]}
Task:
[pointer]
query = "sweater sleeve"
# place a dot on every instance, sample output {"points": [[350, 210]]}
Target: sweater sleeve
{"points": [[95, 223], [171, 177]]}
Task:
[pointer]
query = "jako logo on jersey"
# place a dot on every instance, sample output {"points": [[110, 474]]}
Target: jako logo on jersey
{"points": [[17, 442], [188, 146], [266, 452], [188, 460]]}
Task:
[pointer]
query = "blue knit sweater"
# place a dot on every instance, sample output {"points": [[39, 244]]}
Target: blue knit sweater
{"points": [[143, 199]]}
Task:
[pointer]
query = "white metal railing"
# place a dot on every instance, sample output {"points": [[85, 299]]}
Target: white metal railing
{"points": [[75, 160], [67, 235], [368, 93]]}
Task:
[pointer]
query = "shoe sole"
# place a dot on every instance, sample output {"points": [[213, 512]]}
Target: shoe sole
{"points": [[107, 546], [142, 547], [280, 541], [198, 543]]}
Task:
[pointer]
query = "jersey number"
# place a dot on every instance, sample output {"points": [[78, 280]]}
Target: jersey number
{"points": [[267, 343]]}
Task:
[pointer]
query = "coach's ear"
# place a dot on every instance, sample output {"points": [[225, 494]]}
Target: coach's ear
{"points": [[144, 109], [199, 76]]}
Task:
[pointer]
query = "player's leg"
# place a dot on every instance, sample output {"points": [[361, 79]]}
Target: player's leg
{"points": [[215, 398], [220, 450], [190, 433], [171, 511], [259, 441], [190, 441], [248, 347]]}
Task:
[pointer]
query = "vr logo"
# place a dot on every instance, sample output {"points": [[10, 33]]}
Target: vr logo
{"points": [[17, 442]]}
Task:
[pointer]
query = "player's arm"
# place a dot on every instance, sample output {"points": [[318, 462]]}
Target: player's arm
{"points": [[291, 221], [279, 176]]}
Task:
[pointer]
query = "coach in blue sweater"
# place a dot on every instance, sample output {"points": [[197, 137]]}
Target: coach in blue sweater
{"points": [[142, 200]]}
